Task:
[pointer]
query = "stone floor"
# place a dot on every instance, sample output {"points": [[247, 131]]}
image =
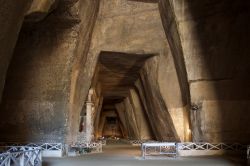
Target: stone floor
{"points": [[126, 155]]}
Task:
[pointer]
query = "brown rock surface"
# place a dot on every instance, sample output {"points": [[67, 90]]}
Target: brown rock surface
{"points": [[211, 39], [36, 105]]}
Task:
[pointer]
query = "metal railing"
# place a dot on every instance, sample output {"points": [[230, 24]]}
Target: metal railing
{"points": [[48, 146], [205, 149], [104, 142], [21, 156], [172, 149], [138, 142], [93, 147], [48, 149], [10, 149], [156, 149], [210, 146], [43, 146]]}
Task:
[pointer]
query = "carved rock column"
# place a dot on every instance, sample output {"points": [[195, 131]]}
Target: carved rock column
{"points": [[89, 119]]}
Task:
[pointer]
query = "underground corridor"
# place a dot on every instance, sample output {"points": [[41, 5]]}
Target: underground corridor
{"points": [[124, 82], [119, 107]]}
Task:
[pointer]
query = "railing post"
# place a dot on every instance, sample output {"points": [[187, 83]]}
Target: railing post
{"points": [[33, 156], [143, 151], [40, 157], [176, 149], [8, 161]]}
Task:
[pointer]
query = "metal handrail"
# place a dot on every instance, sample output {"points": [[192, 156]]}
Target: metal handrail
{"points": [[159, 148], [19, 156], [210, 146], [94, 146], [48, 146], [43, 146], [134, 142]]}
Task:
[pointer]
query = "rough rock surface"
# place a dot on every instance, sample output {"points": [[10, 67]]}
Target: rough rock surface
{"points": [[210, 39], [37, 105], [40, 9]]}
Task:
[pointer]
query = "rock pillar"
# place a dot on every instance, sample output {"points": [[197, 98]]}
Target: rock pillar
{"points": [[89, 117]]}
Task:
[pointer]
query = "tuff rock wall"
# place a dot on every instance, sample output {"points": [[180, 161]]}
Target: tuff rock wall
{"points": [[209, 41], [38, 98]]}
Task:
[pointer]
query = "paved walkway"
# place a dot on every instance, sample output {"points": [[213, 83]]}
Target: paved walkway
{"points": [[126, 155]]}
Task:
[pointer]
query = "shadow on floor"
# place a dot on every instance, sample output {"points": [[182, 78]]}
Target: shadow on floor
{"points": [[45, 163]]}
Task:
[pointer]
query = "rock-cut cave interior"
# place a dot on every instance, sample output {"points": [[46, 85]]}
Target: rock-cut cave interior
{"points": [[108, 82]]}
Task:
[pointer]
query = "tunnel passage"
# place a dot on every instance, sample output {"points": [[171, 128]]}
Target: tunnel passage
{"points": [[124, 101], [117, 74], [110, 124]]}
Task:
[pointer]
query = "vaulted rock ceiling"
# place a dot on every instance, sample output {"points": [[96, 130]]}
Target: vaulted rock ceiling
{"points": [[118, 73]]}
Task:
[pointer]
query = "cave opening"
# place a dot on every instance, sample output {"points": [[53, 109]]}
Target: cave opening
{"points": [[124, 103], [118, 111], [117, 75]]}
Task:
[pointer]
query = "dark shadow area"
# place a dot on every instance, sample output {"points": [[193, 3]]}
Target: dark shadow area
{"points": [[215, 43], [45, 163], [222, 30]]}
